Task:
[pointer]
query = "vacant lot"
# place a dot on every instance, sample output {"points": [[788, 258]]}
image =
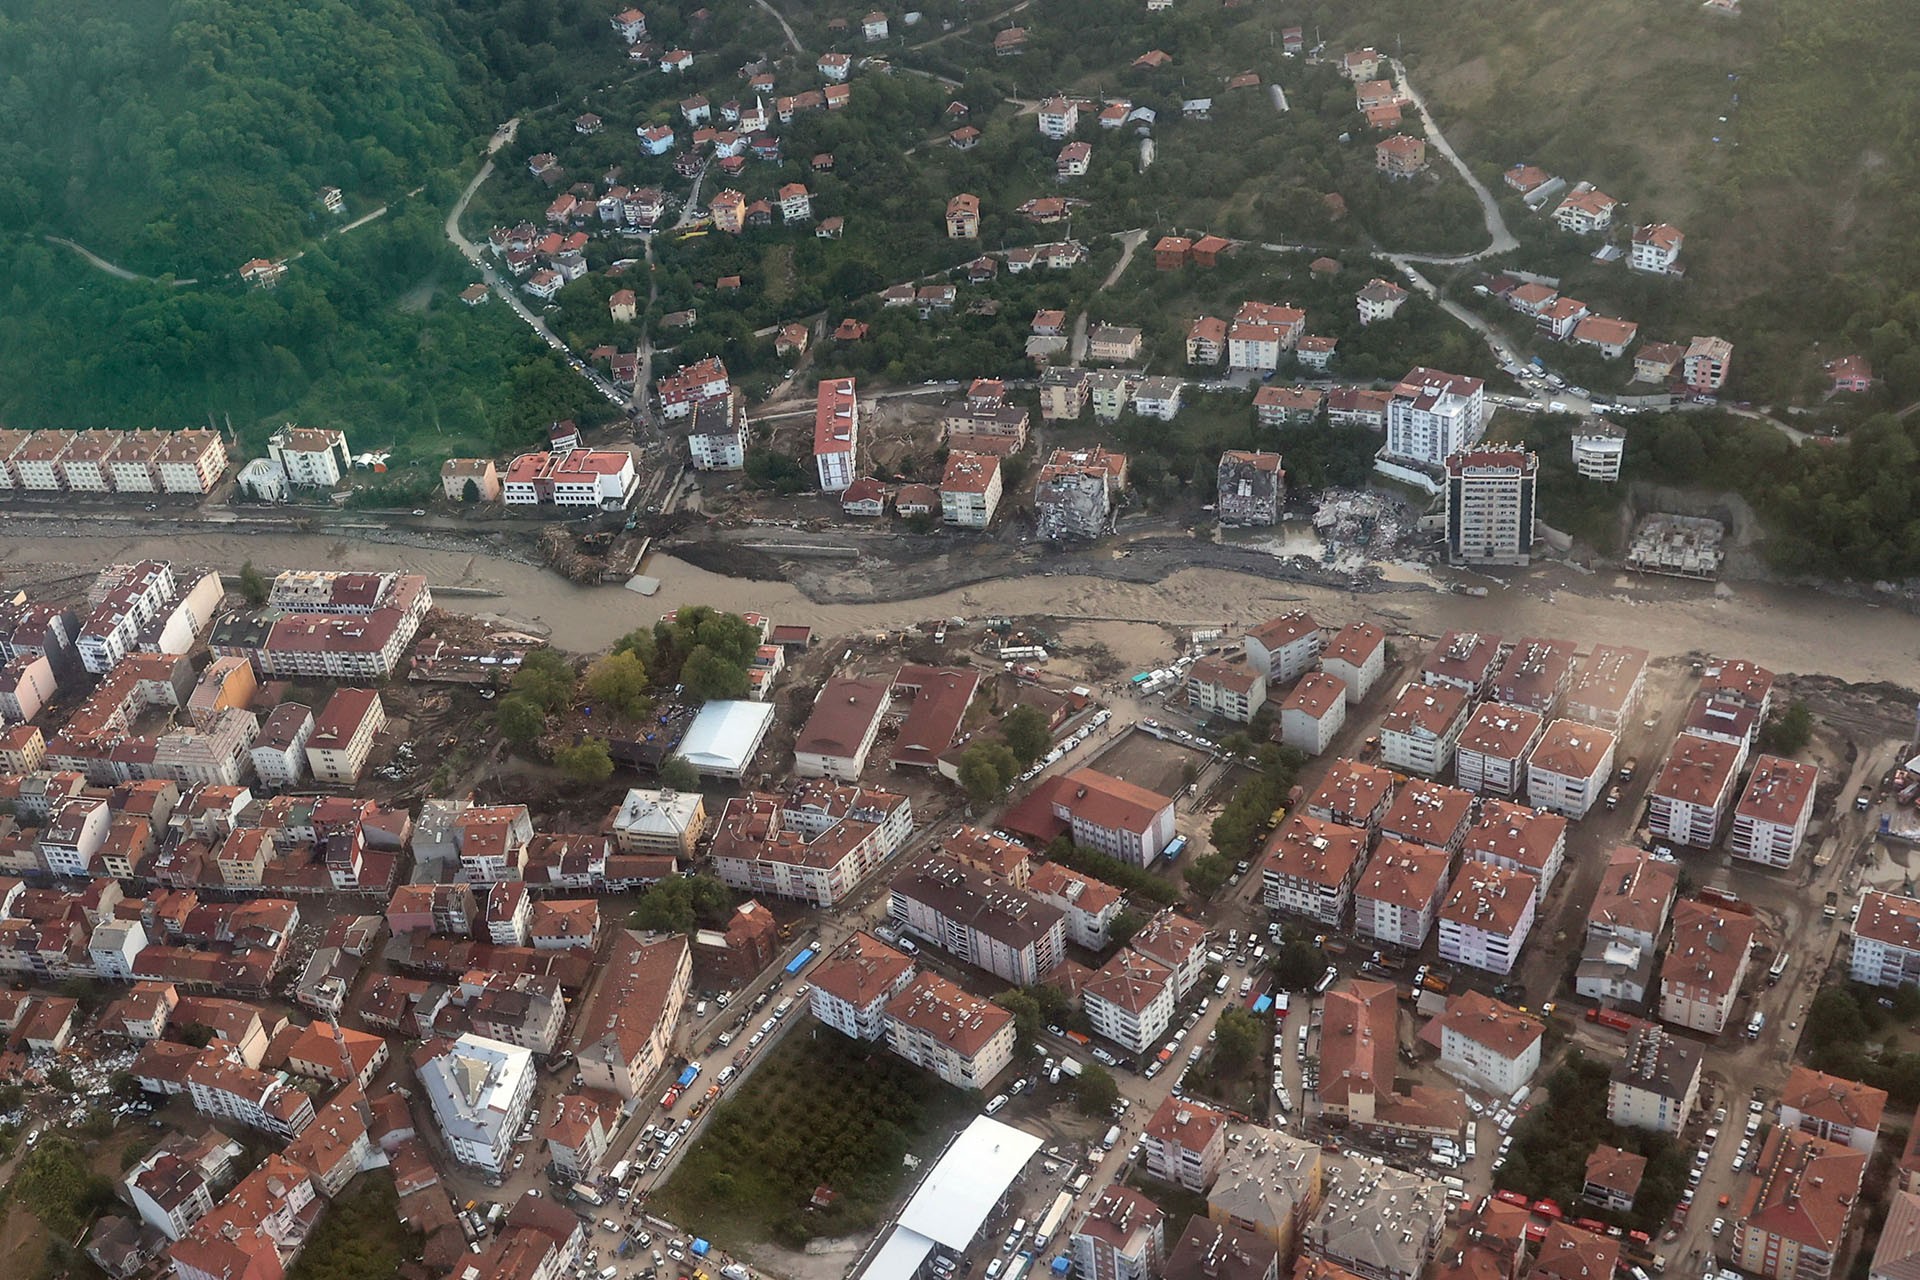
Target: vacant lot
{"points": [[823, 1111], [1146, 761]]}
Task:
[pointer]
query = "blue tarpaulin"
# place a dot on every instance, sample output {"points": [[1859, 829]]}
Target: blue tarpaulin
{"points": [[700, 1248], [1061, 1265]]}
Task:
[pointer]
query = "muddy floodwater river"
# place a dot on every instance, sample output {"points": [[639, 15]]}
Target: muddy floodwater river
{"points": [[1786, 629]]}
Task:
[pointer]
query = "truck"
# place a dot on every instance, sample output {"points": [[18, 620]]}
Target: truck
{"points": [[1043, 1233], [1070, 1067], [582, 1191], [1113, 1136], [1613, 1018], [688, 1075], [620, 1171], [1175, 847], [1755, 1024], [1832, 907]]}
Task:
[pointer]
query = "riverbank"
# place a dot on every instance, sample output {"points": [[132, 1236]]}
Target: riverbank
{"points": [[1786, 629]]}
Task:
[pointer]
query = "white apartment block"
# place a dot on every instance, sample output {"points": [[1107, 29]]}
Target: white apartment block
{"points": [[1311, 868], [311, 457], [1314, 712], [836, 434], [1569, 768], [1433, 415], [1704, 966], [854, 984], [480, 1090], [1656, 1083], [1129, 1000], [718, 438], [1357, 655], [1487, 916], [1688, 800], [1421, 730], [1119, 818], [1284, 648], [937, 1026], [1886, 940], [1770, 821], [1490, 1045], [1491, 756], [1231, 690], [1399, 897]]}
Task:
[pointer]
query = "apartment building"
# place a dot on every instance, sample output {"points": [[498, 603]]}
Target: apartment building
{"points": [[717, 439], [344, 734], [1886, 940], [1463, 660], [1129, 1000], [1487, 916], [1515, 838], [1842, 1111], [1790, 1218], [1184, 1143], [1314, 712], [1397, 900], [1178, 943], [1427, 813], [841, 728], [970, 490], [579, 1133], [836, 434], [1434, 415], [1229, 688], [1091, 905], [1123, 1237], [659, 821], [596, 479], [1770, 820], [1488, 1045], [1421, 730], [1535, 674], [1121, 819], [1705, 963], [1570, 767], [1354, 795], [1008, 933], [1491, 756], [1492, 496], [1378, 1222], [1655, 1084], [1270, 1183], [1357, 655], [961, 1038], [814, 846], [1607, 687], [312, 457], [480, 1091], [854, 984], [623, 1039], [1310, 868], [1689, 799], [1284, 648]]}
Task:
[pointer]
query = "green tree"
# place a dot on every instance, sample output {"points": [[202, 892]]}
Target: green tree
{"points": [[1095, 1091], [1026, 732], [470, 492], [1028, 1019], [1788, 732], [1205, 875], [546, 679], [1906, 1003], [677, 775], [1126, 922], [639, 642], [618, 683], [986, 769], [520, 719], [709, 675], [682, 904], [1239, 1035], [585, 762], [1298, 964], [254, 587]]}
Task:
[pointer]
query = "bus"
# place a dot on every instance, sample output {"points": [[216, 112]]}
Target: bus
{"points": [[800, 961], [1779, 966]]}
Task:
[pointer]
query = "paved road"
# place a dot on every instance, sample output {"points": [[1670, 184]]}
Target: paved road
{"points": [[793, 41], [1502, 239], [1129, 241]]}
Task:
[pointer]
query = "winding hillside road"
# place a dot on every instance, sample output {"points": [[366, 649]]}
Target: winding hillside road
{"points": [[111, 268], [1501, 239], [792, 40]]}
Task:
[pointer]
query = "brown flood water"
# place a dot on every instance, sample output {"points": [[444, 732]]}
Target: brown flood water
{"points": [[1787, 629]]}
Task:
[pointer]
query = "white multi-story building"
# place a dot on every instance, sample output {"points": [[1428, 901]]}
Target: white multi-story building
{"points": [[1489, 1045], [1058, 117], [1434, 415], [480, 1090], [718, 438], [1688, 800], [1357, 654], [1129, 1000], [1569, 768], [815, 846], [1656, 1082], [1284, 648], [312, 457], [1491, 505], [1607, 686], [1491, 756], [279, 751], [1656, 248], [1487, 916], [1399, 896], [1184, 1143], [970, 489], [1233, 690], [1519, 839], [937, 1026], [1314, 712], [854, 983], [836, 434], [1091, 905], [1123, 1237], [1121, 819], [1886, 940], [1422, 728], [1704, 966], [1311, 867], [975, 919], [1598, 453], [1771, 818], [600, 479]]}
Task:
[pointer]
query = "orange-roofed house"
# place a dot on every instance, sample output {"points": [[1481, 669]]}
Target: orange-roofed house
{"points": [[1313, 712], [1121, 819]]}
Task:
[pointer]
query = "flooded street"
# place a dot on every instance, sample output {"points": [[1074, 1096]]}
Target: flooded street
{"points": [[1787, 629]]}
